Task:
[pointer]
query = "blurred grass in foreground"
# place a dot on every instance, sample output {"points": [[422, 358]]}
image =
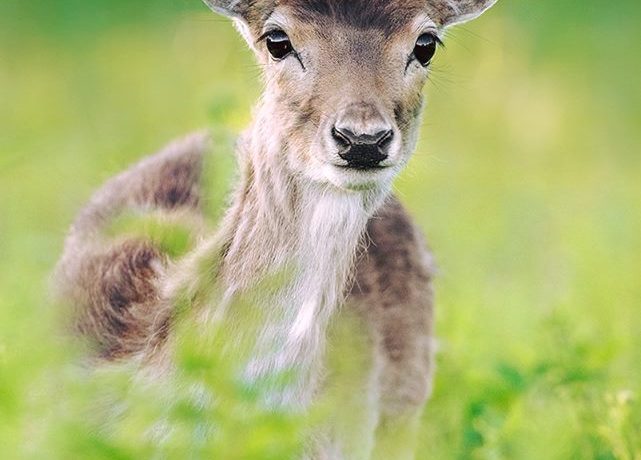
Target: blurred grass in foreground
{"points": [[526, 182]]}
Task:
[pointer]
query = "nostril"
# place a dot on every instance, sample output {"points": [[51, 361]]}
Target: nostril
{"points": [[362, 151], [346, 138], [341, 138], [386, 139]]}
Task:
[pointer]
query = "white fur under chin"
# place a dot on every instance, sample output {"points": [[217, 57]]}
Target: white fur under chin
{"points": [[330, 225], [283, 223], [308, 230]]}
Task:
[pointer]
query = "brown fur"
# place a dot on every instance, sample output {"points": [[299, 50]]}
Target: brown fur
{"points": [[113, 283], [387, 15], [300, 207], [392, 290]]}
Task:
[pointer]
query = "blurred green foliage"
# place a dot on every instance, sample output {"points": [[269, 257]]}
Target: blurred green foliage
{"points": [[526, 181]]}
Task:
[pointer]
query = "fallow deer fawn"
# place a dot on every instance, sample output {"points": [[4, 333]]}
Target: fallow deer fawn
{"points": [[337, 121]]}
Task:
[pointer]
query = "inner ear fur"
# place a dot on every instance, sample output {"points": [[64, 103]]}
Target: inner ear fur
{"points": [[450, 12], [238, 9], [247, 14]]}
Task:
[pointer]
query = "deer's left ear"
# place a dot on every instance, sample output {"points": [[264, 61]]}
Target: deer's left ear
{"points": [[451, 12], [243, 12], [237, 9]]}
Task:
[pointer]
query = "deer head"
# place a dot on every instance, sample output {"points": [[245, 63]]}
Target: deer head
{"points": [[344, 79]]}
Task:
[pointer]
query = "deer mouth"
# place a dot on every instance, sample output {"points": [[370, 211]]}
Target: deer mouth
{"points": [[358, 178], [363, 167]]}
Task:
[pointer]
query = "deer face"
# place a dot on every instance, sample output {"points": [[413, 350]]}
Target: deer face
{"points": [[344, 79]]}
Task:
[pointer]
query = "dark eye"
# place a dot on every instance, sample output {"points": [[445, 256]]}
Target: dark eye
{"points": [[278, 44], [425, 48]]}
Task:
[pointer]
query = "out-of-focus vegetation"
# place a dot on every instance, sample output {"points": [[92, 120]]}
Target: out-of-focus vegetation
{"points": [[527, 181]]}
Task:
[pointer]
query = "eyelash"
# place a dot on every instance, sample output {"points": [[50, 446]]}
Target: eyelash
{"points": [[437, 42], [263, 37], [292, 51]]}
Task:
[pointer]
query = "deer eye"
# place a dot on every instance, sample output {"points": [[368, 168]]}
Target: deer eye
{"points": [[425, 48], [278, 44]]}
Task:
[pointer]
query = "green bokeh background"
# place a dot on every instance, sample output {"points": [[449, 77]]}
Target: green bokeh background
{"points": [[527, 182]]}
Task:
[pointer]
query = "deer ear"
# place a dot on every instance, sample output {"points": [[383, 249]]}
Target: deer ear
{"points": [[451, 12], [234, 8], [239, 10]]}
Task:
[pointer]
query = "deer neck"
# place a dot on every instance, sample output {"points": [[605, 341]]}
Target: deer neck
{"points": [[301, 233]]}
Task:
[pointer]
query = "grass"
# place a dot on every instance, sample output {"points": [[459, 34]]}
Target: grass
{"points": [[526, 182]]}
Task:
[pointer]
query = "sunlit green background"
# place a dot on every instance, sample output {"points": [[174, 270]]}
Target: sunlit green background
{"points": [[527, 182]]}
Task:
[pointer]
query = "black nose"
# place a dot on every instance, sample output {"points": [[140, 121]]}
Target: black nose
{"points": [[362, 151]]}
